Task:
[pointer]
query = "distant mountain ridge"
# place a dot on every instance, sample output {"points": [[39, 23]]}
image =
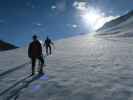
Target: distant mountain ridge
{"points": [[6, 46], [119, 27], [117, 21]]}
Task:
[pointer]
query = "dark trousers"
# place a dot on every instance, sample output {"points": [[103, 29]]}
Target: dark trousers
{"points": [[41, 61], [48, 50]]}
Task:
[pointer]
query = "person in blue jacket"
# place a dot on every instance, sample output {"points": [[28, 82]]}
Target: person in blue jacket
{"points": [[47, 45]]}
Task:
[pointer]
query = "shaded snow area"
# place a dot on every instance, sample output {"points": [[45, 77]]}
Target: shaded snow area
{"points": [[80, 68]]}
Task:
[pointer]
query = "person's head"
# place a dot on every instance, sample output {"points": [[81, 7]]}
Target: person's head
{"points": [[34, 37], [47, 37]]}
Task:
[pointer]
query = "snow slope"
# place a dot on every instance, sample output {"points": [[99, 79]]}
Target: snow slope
{"points": [[120, 27], [81, 68]]}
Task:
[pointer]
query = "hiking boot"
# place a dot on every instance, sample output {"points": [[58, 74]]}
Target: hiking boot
{"points": [[32, 73], [41, 72]]}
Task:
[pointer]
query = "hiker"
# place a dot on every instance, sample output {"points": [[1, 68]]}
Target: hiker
{"points": [[34, 53], [47, 45]]}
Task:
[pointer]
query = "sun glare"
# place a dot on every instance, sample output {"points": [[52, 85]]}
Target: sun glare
{"points": [[94, 18]]}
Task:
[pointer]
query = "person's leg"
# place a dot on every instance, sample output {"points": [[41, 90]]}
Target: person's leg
{"points": [[50, 52], [41, 65], [33, 65], [46, 50]]}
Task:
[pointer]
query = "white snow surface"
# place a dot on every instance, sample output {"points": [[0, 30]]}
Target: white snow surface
{"points": [[80, 68]]}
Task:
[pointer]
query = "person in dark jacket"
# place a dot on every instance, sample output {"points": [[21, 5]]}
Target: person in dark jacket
{"points": [[34, 53], [47, 45]]}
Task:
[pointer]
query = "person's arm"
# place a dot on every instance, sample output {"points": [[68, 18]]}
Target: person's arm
{"points": [[41, 48], [53, 44]]}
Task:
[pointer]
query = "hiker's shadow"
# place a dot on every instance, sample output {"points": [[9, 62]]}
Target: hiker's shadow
{"points": [[15, 92]]}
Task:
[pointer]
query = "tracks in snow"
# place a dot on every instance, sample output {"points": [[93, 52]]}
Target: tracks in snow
{"points": [[13, 69], [12, 77]]}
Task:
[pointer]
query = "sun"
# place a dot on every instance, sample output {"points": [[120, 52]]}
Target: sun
{"points": [[93, 18]]}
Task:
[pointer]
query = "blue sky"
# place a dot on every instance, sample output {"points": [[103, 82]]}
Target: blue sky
{"points": [[20, 19]]}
